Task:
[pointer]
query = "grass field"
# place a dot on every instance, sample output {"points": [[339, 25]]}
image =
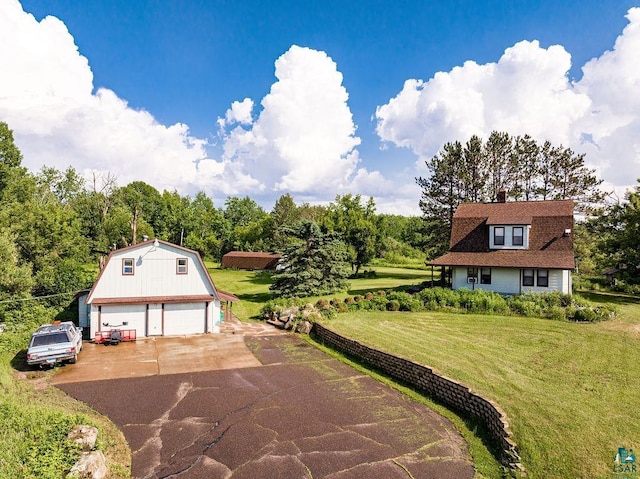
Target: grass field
{"points": [[252, 288], [35, 418], [570, 390]]}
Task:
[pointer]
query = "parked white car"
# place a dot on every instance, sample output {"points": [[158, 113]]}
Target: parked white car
{"points": [[55, 343]]}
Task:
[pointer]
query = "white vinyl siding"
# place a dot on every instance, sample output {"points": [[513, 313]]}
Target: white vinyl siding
{"points": [[559, 280], [508, 232], [155, 275], [509, 281]]}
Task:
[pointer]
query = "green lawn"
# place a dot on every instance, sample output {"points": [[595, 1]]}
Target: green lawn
{"points": [[253, 287], [571, 391]]}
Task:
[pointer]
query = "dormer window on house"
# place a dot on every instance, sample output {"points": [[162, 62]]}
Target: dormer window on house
{"points": [[127, 266], [182, 266], [517, 238], [508, 237]]}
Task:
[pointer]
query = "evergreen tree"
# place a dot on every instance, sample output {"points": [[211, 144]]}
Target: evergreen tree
{"points": [[315, 264]]}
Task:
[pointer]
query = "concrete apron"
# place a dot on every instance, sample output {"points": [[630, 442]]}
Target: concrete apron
{"points": [[164, 355]]}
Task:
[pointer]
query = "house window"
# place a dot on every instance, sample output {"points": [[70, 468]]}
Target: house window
{"points": [[485, 275], [498, 235], [527, 277], [127, 266], [543, 277], [181, 266], [517, 236], [472, 275]]}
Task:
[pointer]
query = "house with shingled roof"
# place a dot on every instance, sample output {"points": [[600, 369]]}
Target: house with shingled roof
{"points": [[511, 247]]}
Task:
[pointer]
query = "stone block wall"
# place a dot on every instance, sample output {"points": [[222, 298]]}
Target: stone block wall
{"points": [[425, 380]]}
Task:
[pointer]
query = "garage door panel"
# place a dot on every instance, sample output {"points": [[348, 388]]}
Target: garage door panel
{"points": [[184, 318], [116, 315]]}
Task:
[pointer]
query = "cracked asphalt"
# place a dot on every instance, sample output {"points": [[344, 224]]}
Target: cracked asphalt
{"points": [[301, 414]]}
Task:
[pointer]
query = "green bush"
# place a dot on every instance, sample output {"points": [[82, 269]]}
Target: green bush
{"points": [[379, 303], [557, 313], [393, 305], [407, 302]]}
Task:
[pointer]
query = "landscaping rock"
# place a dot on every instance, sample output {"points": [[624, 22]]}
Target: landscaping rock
{"points": [[91, 465], [84, 436], [290, 323], [304, 327]]}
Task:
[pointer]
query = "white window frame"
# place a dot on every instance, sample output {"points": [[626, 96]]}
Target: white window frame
{"points": [[182, 268], [128, 266]]}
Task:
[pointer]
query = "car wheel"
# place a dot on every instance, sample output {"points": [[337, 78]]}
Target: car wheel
{"points": [[73, 359]]}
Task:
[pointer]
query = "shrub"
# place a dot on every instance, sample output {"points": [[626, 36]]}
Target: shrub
{"points": [[557, 313], [585, 315], [322, 304], [393, 305], [379, 303], [407, 302]]}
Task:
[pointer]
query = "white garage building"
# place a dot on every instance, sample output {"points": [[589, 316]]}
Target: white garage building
{"points": [[156, 288]]}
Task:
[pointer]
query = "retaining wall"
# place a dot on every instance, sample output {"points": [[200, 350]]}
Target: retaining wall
{"points": [[441, 388]]}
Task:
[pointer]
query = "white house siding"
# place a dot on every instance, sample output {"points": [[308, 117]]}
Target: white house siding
{"points": [[559, 280], [509, 281], [154, 274], [503, 280]]}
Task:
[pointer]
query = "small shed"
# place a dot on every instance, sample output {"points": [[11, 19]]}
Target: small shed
{"points": [[251, 260]]}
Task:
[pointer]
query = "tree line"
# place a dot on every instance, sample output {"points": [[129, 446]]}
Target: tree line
{"points": [[54, 223]]}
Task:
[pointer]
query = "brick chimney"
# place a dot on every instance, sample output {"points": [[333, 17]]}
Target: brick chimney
{"points": [[502, 196]]}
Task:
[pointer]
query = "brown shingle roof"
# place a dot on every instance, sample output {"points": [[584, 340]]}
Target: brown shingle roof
{"points": [[548, 247], [509, 259], [250, 260]]}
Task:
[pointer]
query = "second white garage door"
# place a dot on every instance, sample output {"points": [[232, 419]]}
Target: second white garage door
{"points": [[187, 318]]}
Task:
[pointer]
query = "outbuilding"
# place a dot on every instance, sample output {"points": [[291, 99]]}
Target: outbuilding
{"points": [[250, 260], [156, 288]]}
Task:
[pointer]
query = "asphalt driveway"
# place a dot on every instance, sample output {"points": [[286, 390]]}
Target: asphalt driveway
{"points": [[299, 414]]}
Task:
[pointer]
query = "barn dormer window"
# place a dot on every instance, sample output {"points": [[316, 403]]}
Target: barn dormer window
{"points": [[127, 266], [182, 266], [498, 235]]}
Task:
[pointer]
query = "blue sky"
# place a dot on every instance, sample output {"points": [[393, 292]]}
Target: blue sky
{"points": [[186, 63]]}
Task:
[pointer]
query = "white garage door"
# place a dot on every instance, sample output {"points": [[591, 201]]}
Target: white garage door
{"points": [[184, 318], [116, 315]]}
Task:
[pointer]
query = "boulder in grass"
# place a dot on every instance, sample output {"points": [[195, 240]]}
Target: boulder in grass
{"points": [[85, 436], [91, 465]]}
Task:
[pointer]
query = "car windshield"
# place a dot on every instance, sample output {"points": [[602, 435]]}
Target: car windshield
{"points": [[47, 339]]}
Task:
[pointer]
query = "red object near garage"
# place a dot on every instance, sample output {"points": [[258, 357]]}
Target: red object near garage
{"points": [[115, 336]]}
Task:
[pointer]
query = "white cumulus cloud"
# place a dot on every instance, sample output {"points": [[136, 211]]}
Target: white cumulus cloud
{"points": [[303, 140], [47, 97], [528, 91]]}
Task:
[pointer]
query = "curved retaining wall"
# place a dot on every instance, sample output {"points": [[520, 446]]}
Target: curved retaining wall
{"points": [[443, 389]]}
